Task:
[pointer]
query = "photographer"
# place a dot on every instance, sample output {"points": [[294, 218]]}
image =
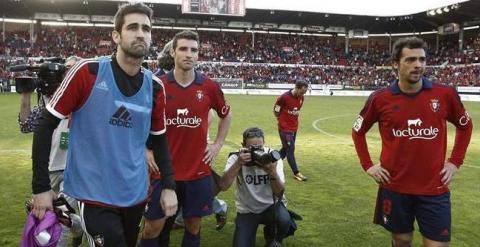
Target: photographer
{"points": [[260, 182], [28, 120]]}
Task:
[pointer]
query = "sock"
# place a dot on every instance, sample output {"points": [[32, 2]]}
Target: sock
{"points": [[190, 240], [153, 242]]}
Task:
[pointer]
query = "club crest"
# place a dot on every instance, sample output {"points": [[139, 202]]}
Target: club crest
{"points": [[199, 95], [434, 105]]}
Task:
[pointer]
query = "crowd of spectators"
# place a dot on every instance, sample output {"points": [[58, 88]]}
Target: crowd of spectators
{"points": [[361, 76], [261, 57]]}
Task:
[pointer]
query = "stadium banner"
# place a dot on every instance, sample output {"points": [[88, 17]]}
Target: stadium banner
{"points": [[291, 27], [72, 17], [192, 22], [214, 23], [229, 83], [256, 85], [240, 24], [326, 87], [266, 26], [163, 21], [468, 89], [313, 28], [280, 85], [214, 7], [47, 16], [102, 18]]}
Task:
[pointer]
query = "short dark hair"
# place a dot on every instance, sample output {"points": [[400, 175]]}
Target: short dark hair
{"points": [[130, 8], [301, 83], [408, 42], [186, 34], [252, 132]]}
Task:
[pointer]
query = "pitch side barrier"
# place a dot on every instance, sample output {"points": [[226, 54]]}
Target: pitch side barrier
{"points": [[238, 86]]}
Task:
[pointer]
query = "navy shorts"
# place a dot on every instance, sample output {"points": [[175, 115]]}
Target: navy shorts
{"points": [[397, 212], [153, 210], [195, 197]]}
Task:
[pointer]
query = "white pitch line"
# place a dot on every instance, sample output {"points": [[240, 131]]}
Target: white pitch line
{"points": [[314, 124], [15, 150], [470, 166]]}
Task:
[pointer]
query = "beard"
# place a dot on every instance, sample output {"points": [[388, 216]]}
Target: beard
{"points": [[134, 51]]}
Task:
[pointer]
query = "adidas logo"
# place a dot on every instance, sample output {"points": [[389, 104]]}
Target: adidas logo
{"points": [[102, 85], [121, 118]]}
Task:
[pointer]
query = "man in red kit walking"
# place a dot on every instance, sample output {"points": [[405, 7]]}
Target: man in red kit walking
{"points": [[413, 173], [286, 110], [189, 97]]}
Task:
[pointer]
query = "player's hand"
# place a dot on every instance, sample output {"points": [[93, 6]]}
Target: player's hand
{"points": [[448, 172], [168, 202], [43, 202], [211, 152], [380, 174], [152, 165]]}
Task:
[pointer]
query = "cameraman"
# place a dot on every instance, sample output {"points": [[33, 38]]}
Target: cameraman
{"points": [[28, 120], [258, 190]]}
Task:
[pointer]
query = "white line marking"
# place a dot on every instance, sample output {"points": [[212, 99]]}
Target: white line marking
{"points": [[314, 124], [470, 166], [15, 151]]}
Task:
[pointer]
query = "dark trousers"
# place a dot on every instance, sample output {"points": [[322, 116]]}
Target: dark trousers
{"points": [[111, 227], [246, 226], [288, 149]]}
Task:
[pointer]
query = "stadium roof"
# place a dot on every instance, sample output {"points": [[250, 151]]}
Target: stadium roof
{"points": [[467, 13], [381, 8]]}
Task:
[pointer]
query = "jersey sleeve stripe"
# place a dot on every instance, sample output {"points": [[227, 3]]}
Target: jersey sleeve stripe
{"points": [[68, 78], [55, 113], [156, 133]]}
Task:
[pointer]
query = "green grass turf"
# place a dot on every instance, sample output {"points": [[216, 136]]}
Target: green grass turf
{"points": [[337, 202]]}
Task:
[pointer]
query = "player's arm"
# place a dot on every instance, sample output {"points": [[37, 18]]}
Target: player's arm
{"points": [[61, 105], [367, 117], [463, 132], [459, 117], [158, 143], [224, 113], [277, 107], [157, 140]]}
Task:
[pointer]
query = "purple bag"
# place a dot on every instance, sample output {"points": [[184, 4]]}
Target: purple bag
{"points": [[49, 226]]}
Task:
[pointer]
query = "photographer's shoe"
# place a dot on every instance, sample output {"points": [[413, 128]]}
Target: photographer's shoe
{"points": [[300, 177], [221, 221]]}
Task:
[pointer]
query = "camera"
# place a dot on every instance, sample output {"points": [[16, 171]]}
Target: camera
{"points": [[47, 76], [261, 158]]}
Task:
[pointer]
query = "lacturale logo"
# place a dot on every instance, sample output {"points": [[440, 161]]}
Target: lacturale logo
{"points": [[415, 130], [294, 111], [121, 118], [182, 119]]}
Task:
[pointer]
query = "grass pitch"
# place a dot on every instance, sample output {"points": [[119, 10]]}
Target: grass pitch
{"points": [[336, 202]]}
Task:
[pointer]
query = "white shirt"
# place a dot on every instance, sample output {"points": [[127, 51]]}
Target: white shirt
{"points": [[254, 192]]}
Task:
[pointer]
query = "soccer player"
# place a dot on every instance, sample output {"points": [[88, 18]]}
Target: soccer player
{"points": [[412, 174], [257, 191], [190, 96], [286, 110], [114, 104]]}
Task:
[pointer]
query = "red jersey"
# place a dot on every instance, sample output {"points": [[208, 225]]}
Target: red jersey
{"points": [[413, 129], [187, 123], [288, 107]]}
